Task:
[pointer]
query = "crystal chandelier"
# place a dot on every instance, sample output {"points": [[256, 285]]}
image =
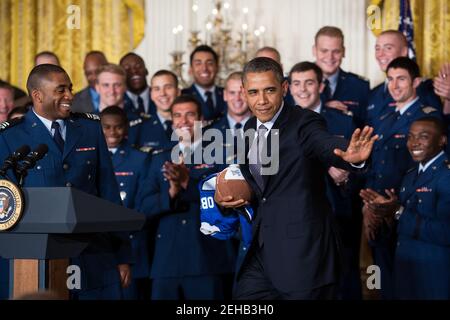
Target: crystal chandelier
{"points": [[235, 43]]}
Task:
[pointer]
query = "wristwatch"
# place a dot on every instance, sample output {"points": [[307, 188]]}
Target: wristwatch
{"points": [[398, 213]]}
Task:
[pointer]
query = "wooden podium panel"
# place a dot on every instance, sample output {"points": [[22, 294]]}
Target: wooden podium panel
{"points": [[30, 277]]}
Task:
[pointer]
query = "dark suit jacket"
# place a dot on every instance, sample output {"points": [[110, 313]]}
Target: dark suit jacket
{"points": [[82, 101], [293, 220]]}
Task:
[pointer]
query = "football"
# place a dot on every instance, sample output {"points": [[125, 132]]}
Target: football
{"points": [[231, 182]]}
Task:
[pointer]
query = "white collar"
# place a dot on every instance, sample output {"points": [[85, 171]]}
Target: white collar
{"points": [[232, 122], [48, 124], [269, 124], [406, 107], [318, 108], [202, 91], [430, 162]]}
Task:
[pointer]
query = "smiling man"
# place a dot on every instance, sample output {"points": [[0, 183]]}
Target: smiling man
{"points": [[391, 160], [392, 44], [292, 211], [422, 211], [6, 100], [204, 67], [78, 158], [154, 131], [138, 91], [342, 187], [343, 90], [186, 263]]}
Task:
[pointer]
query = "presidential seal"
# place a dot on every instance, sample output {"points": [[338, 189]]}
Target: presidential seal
{"points": [[11, 204]]}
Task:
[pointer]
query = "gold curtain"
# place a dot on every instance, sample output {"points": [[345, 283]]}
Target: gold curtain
{"points": [[431, 30], [70, 28]]}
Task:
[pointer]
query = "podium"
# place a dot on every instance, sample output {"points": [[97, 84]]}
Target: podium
{"points": [[58, 224]]}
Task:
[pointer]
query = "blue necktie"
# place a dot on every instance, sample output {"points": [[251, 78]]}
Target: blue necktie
{"points": [[57, 136], [327, 90], [141, 108], [168, 129], [209, 100]]}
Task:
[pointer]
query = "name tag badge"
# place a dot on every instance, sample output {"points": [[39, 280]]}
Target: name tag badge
{"points": [[124, 174], [85, 149], [399, 136], [424, 189]]}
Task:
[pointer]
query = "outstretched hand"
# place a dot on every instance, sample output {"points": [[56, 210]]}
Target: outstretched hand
{"points": [[360, 146]]}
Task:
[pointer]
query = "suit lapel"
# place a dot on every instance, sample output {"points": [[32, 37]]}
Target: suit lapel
{"points": [[73, 134], [276, 130]]}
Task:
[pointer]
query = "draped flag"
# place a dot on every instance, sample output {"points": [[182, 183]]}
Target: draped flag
{"points": [[406, 26]]}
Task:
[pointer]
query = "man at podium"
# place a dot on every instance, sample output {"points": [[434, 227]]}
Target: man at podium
{"points": [[77, 157]]}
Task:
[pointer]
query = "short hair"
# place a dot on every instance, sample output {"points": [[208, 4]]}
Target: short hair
{"points": [[131, 54], [330, 31], [39, 73], [263, 64], [111, 68], [407, 64], [46, 53], [115, 111], [237, 75], [269, 49], [5, 85], [166, 73], [307, 66], [95, 53], [186, 98], [18, 111], [437, 123], [397, 33], [204, 48]]}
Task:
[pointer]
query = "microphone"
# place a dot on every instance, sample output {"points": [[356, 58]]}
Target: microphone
{"points": [[30, 161], [12, 159]]}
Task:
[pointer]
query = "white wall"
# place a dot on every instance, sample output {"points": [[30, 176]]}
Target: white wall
{"points": [[290, 27]]}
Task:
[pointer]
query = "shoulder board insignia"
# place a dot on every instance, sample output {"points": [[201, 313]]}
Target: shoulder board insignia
{"points": [[145, 116], [10, 123], [146, 149], [208, 122], [428, 110], [158, 151], [134, 123], [411, 169], [90, 116]]}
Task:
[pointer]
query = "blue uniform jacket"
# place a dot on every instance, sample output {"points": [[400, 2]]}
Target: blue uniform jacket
{"points": [[148, 132], [353, 91], [422, 259], [85, 164], [180, 248], [220, 107], [390, 157], [380, 100], [130, 168]]}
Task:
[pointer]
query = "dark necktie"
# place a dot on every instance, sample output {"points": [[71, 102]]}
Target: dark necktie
{"points": [[140, 102], [255, 164], [238, 141], [327, 90], [417, 176], [168, 129], [209, 100], [57, 136]]}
